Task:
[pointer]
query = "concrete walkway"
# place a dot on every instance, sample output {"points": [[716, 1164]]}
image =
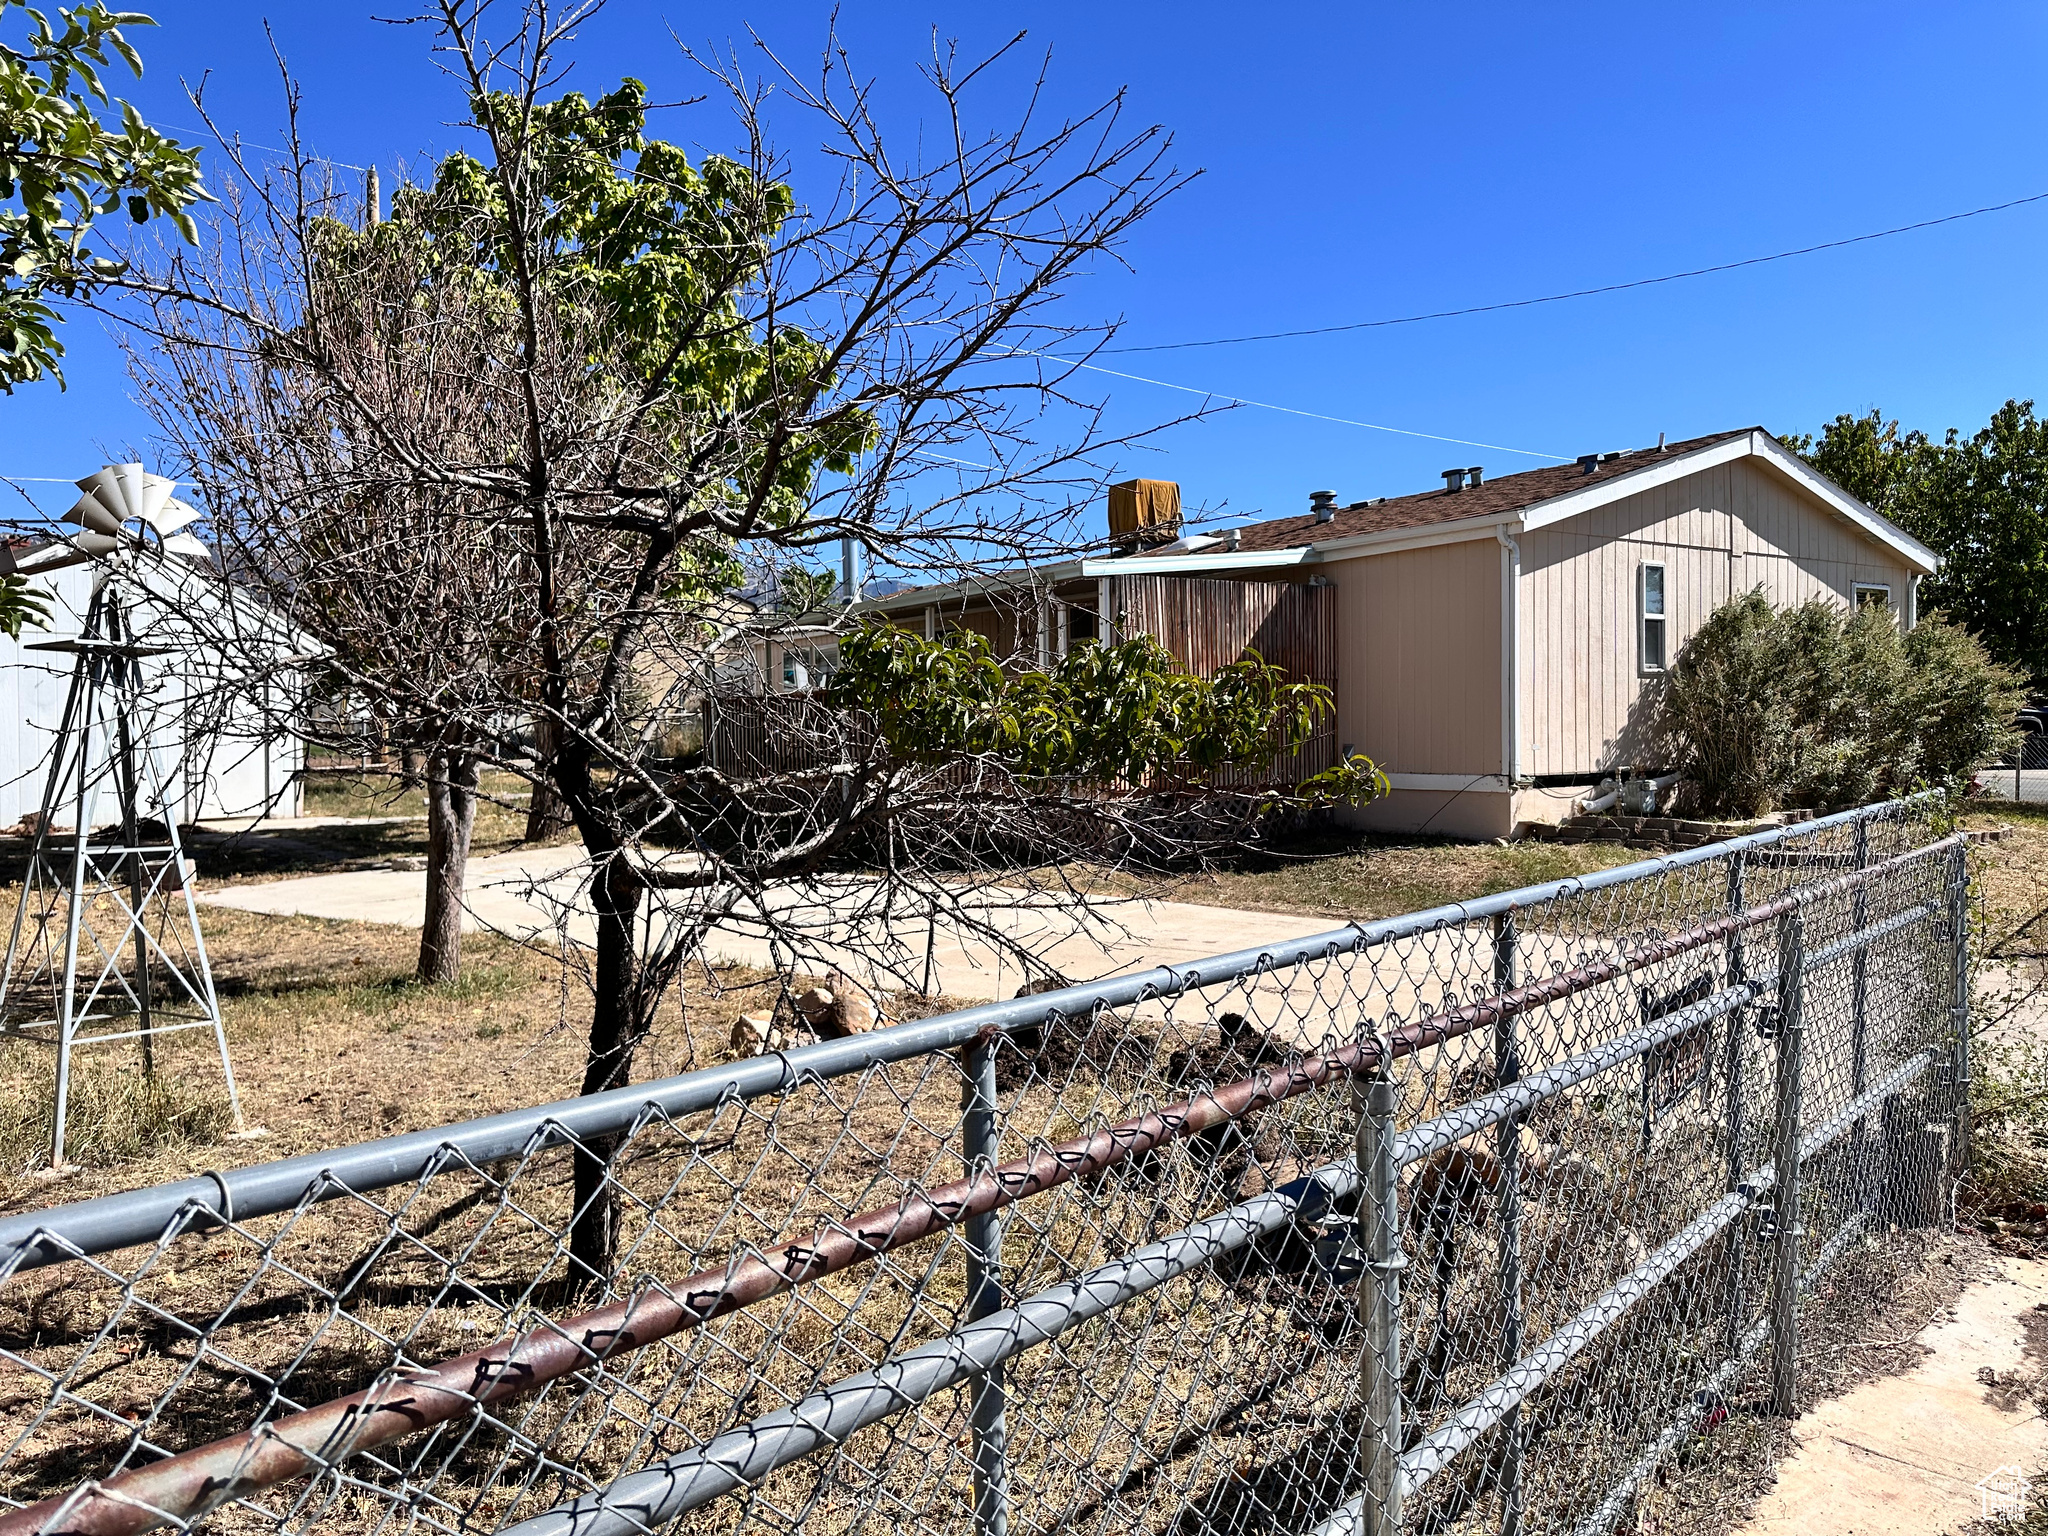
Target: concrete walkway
{"points": [[1903, 1455], [520, 894]]}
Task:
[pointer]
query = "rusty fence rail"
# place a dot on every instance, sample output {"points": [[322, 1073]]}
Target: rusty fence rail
{"points": [[1456, 1221]]}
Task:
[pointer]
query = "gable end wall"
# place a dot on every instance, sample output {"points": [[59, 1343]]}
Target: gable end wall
{"points": [[1719, 532]]}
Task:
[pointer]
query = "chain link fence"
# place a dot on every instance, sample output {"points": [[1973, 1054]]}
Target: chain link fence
{"points": [[1453, 1222]]}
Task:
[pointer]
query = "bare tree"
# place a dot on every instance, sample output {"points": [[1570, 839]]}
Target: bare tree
{"points": [[512, 455]]}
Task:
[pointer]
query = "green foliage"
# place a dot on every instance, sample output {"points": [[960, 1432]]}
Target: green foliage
{"points": [[643, 262], [21, 605], [1866, 456], [1814, 706], [61, 168], [1105, 714], [806, 591], [1980, 502]]}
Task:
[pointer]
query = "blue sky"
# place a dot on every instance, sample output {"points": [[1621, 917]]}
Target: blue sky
{"points": [[1361, 162]]}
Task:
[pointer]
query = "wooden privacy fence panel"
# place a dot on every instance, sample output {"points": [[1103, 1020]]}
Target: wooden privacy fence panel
{"points": [[1206, 625], [1209, 623]]}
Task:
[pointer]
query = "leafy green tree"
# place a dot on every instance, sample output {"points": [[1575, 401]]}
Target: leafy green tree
{"points": [[1123, 713], [62, 169], [1980, 502], [1866, 456]]}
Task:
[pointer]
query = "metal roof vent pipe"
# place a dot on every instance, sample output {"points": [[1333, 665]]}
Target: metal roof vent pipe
{"points": [[1454, 480], [1323, 504], [1472, 475], [1588, 462]]}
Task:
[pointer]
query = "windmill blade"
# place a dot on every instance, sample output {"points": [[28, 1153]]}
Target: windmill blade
{"points": [[171, 516], [103, 486], [88, 513], [134, 482], [189, 546], [156, 495], [97, 543]]}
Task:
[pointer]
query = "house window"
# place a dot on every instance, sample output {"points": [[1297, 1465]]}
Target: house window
{"points": [[1081, 626], [1651, 649], [1873, 595], [807, 666]]}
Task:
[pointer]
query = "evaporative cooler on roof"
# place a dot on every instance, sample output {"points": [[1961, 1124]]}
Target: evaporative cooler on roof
{"points": [[1146, 511]]}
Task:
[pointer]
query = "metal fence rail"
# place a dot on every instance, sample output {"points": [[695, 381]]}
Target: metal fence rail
{"points": [[1442, 1223]]}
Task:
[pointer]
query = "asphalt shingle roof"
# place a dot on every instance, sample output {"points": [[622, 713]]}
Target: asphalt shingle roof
{"points": [[1492, 497]]}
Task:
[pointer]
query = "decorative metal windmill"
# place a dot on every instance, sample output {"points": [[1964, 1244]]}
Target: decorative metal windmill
{"points": [[106, 943]]}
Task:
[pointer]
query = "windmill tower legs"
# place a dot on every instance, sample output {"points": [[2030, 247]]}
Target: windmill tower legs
{"points": [[106, 943]]}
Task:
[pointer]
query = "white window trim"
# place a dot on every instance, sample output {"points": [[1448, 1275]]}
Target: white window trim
{"points": [[1857, 590], [1644, 618]]}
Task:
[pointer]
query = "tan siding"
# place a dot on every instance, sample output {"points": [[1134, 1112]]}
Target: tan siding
{"points": [[1718, 532], [1418, 673]]}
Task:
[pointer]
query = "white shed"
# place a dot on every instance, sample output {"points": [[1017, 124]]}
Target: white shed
{"points": [[222, 748]]}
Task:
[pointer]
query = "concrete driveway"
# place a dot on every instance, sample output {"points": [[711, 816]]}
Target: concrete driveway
{"points": [[535, 895]]}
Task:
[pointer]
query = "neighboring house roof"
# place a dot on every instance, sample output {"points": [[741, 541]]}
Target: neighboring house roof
{"points": [[1538, 497]]}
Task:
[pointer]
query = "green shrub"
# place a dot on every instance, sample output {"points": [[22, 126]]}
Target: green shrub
{"points": [[1814, 706]]}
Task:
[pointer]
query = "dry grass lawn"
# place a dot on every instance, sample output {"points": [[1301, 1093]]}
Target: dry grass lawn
{"points": [[334, 1043]]}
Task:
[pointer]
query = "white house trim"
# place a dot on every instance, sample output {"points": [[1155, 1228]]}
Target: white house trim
{"points": [[1510, 652], [1797, 469], [1470, 783], [1208, 560]]}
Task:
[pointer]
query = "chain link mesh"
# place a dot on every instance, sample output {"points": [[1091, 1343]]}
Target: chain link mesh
{"points": [[1101, 1269]]}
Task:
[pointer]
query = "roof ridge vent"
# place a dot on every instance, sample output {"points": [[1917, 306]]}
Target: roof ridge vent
{"points": [[1323, 504]]}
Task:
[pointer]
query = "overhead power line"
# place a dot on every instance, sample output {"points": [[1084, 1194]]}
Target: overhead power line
{"points": [[1289, 410], [1584, 293]]}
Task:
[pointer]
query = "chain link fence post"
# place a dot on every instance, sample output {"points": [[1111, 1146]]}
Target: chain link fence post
{"points": [[1786, 1227], [1507, 1056], [1959, 1000], [980, 1133], [1379, 1305], [1734, 1062], [1859, 1024]]}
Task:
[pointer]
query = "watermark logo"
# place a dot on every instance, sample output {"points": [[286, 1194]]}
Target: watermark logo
{"points": [[2003, 1493]]}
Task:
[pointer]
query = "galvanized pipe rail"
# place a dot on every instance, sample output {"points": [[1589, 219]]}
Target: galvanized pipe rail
{"points": [[153, 1216], [302, 1443], [1615, 1504], [1507, 1392], [196, 1481]]}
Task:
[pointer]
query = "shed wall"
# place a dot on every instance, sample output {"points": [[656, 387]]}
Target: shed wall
{"points": [[221, 758], [1584, 701]]}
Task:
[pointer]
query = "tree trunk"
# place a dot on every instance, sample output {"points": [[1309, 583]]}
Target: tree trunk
{"points": [[451, 816], [614, 1033], [547, 813]]}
